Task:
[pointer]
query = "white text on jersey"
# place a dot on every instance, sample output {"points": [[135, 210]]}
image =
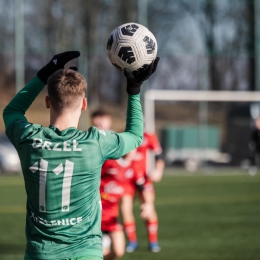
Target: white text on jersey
{"points": [[67, 146]]}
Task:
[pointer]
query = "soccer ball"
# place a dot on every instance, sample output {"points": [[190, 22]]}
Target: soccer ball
{"points": [[131, 46]]}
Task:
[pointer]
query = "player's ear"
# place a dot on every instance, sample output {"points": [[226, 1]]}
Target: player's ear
{"points": [[47, 102], [84, 104]]}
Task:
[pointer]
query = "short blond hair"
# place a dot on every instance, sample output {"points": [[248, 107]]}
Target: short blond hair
{"points": [[65, 86]]}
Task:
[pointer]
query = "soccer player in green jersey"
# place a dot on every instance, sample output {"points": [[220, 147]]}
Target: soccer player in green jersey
{"points": [[61, 164]]}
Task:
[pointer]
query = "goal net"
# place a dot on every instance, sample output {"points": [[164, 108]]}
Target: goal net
{"points": [[202, 127]]}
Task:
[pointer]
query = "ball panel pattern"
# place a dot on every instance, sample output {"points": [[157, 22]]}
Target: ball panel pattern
{"points": [[110, 42], [131, 46], [129, 29], [126, 54]]}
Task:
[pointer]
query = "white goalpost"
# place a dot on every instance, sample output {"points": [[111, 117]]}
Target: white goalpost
{"points": [[151, 96], [181, 95]]}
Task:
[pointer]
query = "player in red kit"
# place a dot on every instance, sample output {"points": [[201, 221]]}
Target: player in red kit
{"points": [[150, 143], [115, 175]]}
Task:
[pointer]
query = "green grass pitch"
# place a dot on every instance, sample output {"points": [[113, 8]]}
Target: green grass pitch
{"points": [[201, 218]]}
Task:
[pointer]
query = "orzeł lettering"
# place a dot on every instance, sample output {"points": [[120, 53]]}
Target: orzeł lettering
{"points": [[67, 146]]}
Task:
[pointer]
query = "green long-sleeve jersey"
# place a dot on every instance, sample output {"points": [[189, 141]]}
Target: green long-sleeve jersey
{"points": [[61, 172]]}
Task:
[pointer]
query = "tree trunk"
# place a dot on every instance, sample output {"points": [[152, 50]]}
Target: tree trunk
{"points": [[251, 43], [209, 11]]}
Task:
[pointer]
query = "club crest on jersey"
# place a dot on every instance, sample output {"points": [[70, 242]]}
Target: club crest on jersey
{"points": [[113, 188]]}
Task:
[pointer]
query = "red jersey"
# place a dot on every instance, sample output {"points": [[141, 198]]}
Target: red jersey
{"points": [[150, 143], [116, 175]]}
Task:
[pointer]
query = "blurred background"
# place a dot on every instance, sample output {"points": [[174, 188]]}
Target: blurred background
{"points": [[203, 45]]}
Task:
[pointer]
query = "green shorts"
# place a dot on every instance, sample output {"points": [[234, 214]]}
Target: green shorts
{"points": [[74, 258]]}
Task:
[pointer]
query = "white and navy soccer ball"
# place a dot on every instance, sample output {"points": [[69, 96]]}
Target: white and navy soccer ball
{"points": [[131, 46]]}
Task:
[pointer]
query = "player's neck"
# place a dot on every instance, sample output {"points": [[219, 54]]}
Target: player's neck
{"points": [[65, 120]]}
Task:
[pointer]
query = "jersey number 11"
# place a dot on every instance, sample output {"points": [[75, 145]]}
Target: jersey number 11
{"points": [[43, 169]]}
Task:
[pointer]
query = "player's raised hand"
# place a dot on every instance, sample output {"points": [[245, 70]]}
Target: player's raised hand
{"points": [[134, 81], [57, 62]]}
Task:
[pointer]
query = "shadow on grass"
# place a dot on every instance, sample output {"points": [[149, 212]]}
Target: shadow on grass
{"points": [[11, 249]]}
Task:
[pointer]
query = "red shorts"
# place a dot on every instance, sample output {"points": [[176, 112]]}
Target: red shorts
{"points": [[130, 188], [110, 224]]}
